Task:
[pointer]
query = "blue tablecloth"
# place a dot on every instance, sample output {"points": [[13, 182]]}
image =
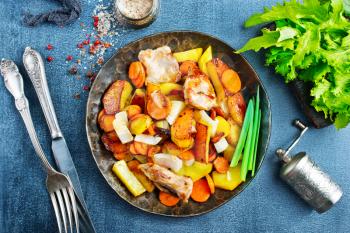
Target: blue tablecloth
{"points": [[267, 205]]}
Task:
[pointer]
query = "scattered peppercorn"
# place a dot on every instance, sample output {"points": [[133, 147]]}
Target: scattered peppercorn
{"points": [[89, 74], [73, 70], [76, 96], [49, 59], [86, 88], [69, 58], [49, 47], [80, 45], [86, 42]]}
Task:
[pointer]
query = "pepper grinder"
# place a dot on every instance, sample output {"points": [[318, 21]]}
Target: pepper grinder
{"points": [[306, 178]]}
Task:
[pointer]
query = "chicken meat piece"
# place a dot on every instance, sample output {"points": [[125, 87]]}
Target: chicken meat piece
{"points": [[161, 66], [166, 179], [199, 92]]}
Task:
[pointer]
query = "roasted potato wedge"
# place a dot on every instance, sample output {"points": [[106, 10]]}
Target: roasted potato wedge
{"points": [[139, 124], [237, 107], [235, 131], [117, 96]]}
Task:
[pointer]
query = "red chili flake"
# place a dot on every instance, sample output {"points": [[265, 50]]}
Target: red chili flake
{"points": [[86, 42], [49, 47], [49, 59], [86, 88], [96, 24], [95, 18], [97, 42], [80, 45], [69, 58]]}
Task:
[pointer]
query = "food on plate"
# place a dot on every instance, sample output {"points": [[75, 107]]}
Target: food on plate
{"points": [[168, 180], [309, 44], [137, 74], [199, 92], [161, 66], [116, 97], [121, 169], [189, 55], [158, 105], [202, 62], [179, 130]]}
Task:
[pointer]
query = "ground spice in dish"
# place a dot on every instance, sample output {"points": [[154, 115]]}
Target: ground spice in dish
{"points": [[135, 9]]}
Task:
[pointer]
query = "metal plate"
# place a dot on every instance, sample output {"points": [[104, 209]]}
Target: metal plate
{"points": [[117, 68]]}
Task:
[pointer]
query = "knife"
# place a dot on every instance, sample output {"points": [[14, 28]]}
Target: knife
{"points": [[34, 66]]}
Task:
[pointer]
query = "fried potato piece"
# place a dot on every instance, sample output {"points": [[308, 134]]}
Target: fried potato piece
{"points": [[237, 107], [116, 97]]}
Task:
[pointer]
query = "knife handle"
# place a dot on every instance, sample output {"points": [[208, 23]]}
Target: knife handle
{"points": [[14, 84], [34, 66]]}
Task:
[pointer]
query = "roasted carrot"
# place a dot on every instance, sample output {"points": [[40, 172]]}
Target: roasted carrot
{"points": [[137, 74], [212, 114], [231, 81], [212, 153], [151, 130], [113, 136], [141, 148], [106, 122], [158, 105], [188, 66], [132, 149], [200, 191], [133, 165], [152, 150], [210, 183], [221, 165], [168, 199], [186, 155], [123, 156]]}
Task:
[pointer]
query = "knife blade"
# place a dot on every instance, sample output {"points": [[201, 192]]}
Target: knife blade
{"points": [[34, 66]]}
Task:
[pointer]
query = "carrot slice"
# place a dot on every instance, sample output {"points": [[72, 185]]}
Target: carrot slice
{"points": [[231, 81], [168, 199], [133, 165], [186, 155], [210, 183], [106, 122], [137, 74], [221, 165], [200, 191]]}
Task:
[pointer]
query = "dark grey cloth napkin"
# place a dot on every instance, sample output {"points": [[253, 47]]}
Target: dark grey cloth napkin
{"points": [[69, 12]]}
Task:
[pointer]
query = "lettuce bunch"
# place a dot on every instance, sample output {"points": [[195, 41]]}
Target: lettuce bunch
{"points": [[311, 43]]}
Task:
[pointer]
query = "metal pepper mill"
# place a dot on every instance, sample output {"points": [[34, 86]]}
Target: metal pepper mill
{"points": [[306, 178]]}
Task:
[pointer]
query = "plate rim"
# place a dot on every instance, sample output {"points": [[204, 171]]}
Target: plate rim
{"points": [[269, 120]]}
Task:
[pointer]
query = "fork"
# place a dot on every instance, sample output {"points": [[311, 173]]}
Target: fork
{"points": [[58, 185]]}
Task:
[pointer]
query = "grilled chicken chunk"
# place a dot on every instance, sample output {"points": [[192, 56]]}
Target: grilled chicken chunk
{"points": [[199, 92], [165, 179], [161, 66]]}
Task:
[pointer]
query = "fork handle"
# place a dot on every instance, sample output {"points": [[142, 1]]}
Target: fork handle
{"points": [[14, 84], [34, 65]]}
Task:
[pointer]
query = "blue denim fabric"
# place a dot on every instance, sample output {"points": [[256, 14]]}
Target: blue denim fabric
{"points": [[267, 205]]}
